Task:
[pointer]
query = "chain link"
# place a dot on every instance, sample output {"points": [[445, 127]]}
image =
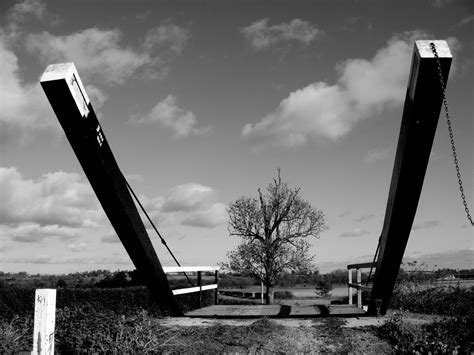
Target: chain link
{"points": [[451, 135]]}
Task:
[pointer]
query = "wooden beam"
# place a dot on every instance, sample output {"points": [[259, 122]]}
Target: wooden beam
{"points": [[75, 113], [420, 117], [361, 266], [172, 269], [182, 291]]}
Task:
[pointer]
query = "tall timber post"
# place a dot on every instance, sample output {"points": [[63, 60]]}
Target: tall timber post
{"points": [[75, 113], [423, 101]]}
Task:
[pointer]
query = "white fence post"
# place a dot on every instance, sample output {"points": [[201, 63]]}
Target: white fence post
{"points": [[45, 316], [359, 289], [349, 288]]}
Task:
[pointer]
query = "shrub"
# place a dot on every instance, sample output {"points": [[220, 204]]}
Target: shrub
{"points": [[449, 301], [15, 301], [449, 335]]}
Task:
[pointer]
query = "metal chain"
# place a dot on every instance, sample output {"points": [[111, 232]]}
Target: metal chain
{"points": [[451, 135]]}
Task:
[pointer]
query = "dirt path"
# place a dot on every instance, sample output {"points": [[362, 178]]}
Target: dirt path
{"points": [[276, 335]]}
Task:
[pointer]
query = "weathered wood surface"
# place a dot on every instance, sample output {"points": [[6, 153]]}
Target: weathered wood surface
{"points": [[44, 323], [75, 113], [276, 311], [420, 118]]}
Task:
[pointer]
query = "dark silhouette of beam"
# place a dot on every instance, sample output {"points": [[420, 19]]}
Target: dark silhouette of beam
{"points": [[423, 102], [70, 103]]}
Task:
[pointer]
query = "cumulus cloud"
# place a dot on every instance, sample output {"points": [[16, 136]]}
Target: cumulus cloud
{"points": [[190, 204], [364, 217], [48, 259], [111, 238], [261, 35], [170, 34], [377, 154], [24, 106], [426, 225], [168, 114], [207, 218], [364, 88], [357, 232], [93, 51], [188, 197], [27, 8], [101, 52], [35, 233], [77, 247], [59, 198]]}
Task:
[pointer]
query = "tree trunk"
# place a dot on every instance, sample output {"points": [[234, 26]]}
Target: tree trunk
{"points": [[269, 294]]}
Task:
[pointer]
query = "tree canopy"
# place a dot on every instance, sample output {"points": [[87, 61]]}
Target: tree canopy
{"points": [[274, 228]]}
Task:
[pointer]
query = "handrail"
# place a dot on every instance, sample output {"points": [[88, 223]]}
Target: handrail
{"points": [[200, 287], [358, 285], [170, 269], [361, 265]]}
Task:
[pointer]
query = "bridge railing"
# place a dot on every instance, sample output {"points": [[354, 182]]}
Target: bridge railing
{"points": [[358, 284], [200, 287]]}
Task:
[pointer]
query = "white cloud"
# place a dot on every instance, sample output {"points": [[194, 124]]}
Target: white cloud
{"points": [[377, 154], [95, 52], [77, 247], [35, 8], [102, 53], [24, 106], [57, 199], [261, 35], [188, 197], [168, 114], [207, 218], [172, 35], [364, 89], [190, 204], [426, 225], [357, 232], [97, 96], [111, 238], [364, 217], [35, 233]]}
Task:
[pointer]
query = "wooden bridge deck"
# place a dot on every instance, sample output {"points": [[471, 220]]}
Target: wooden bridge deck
{"points": [[276, 311]]}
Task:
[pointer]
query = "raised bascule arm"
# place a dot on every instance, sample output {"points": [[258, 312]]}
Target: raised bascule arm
{"points": [[75, 113], [423, 101]]}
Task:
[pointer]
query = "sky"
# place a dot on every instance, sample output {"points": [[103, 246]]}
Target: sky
{"points": [[201, 101]]}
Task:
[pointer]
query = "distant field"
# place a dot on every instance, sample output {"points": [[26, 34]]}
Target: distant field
{"points": [[338, 291]]}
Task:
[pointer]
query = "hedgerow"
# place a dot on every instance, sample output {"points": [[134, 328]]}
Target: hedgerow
{"points": [[15, 301]]}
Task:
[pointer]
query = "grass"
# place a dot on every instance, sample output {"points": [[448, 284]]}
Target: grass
{"points": [[87, 328], [453, 333]]}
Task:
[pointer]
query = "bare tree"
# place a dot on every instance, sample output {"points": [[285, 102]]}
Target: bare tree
{"points": [[274, 227]]}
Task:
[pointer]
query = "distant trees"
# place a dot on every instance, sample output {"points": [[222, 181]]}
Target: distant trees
{"points": [[274, 228]]}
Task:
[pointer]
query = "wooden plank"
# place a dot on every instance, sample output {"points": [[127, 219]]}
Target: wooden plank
{"points": [[75, 113], [44, 323], [357, 286], [276, 311], [170, 269], [361, 266], [182, 291], [420, 118]]}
